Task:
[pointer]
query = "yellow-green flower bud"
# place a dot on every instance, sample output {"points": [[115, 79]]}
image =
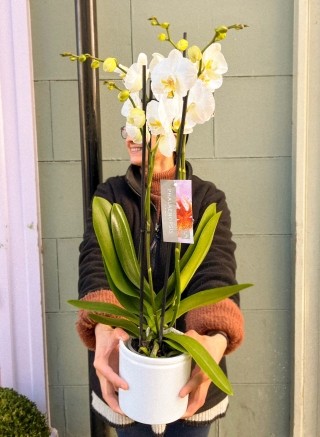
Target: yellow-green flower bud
{"points": [[182, 45], [109, 65], [73, 58], [194, 54], [153, 21], [110, 85], [123, 95], [238, 26], [95, 63], [220, 36], [137, 117], [82, 58], [221, 29], [165, 25], [221, 33], [162, 37]]}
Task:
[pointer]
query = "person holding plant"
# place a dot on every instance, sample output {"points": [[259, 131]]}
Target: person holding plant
{"points": [[146, 286], [218, 327]]}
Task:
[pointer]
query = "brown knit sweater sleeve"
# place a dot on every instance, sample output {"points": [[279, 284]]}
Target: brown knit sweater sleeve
{"points": [[86, 326], [223, 316]]}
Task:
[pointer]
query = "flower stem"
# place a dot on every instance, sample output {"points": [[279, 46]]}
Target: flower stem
{"points": [[143, 216], [147, 212]]}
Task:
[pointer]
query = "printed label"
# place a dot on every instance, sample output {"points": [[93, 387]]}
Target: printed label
{"points": [[176, 211]]}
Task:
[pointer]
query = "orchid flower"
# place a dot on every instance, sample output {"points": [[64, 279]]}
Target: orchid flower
{"points": [[156, 58], [134, 133], [127, 106], [173, 75], [167, 143], [133, 78], [201, 104], [159, 120], [214, 66], [163, 118]]}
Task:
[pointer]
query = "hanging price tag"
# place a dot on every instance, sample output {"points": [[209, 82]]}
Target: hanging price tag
{"points": [[176, 211]]}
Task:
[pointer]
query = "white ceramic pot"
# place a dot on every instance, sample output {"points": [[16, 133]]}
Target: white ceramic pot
{"points": [[154, 386]]}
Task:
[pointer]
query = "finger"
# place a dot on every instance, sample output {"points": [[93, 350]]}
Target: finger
{"points": [[116, 335], [112, 377], [196, 400], [109, 395], [197, 378], [115, 379]]}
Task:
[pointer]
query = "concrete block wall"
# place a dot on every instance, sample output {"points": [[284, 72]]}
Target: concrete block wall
{"points": [[246, 151]]}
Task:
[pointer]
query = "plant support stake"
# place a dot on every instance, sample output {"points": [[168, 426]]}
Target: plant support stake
{"points": [[90, 131]]}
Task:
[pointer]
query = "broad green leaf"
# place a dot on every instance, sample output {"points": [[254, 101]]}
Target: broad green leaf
{"points": [[101, 223], [203, 298], [129, 302], [129, 327], [200, 251], [122, 238], [204, 360], [107, 308], [210, 211], [207, 215]]}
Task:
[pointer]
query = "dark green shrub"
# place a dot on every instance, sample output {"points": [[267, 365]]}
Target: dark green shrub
{"points": [[20, 417]]}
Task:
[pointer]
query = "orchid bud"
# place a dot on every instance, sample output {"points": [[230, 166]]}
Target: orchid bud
{"points": [[238, 26], [137, 117], [82, 58], [109, 65], [182, 45], [123, 95], [221, 33], [95, 63], [162, 37], [154, 21], [165, 25], [110, 85], [194, 54]]}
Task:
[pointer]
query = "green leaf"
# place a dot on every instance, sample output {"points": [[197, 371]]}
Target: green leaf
{"points": [[122, 238], [209, 212], [200, 251], [130, 303], [101, 212], [204, 360], [129, 327], [107, 308], [206, 297]]}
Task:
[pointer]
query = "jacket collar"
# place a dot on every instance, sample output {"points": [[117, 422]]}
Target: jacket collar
{"points": [[133, 176]]}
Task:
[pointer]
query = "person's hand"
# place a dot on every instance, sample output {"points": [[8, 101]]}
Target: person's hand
{"points": [[106, 363], [198, 384]]}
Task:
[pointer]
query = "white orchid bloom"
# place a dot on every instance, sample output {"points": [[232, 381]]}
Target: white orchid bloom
{"points": [[173, 75], [201, 104], [156, 58], [159, 120], [133, 78], [214, 66], [156, 122], [174, 107], [167, 143], [127, 106], [134, 133]]}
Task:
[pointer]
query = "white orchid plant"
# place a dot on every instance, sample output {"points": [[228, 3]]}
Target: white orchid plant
{"points": [[181, 96]]}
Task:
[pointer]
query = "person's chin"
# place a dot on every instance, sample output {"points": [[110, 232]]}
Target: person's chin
{"points": [[135, 160]]}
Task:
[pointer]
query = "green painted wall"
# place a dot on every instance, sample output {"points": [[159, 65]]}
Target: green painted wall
{"points": [[246, 151]]}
